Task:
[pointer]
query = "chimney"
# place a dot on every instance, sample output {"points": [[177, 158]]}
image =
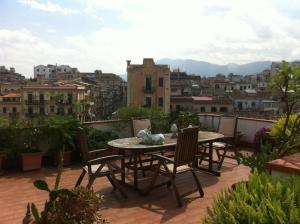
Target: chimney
{"points": [[128, 62]]}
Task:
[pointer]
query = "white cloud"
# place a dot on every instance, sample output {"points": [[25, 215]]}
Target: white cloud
{"points": [[22, 50], [56, 8], [49, 7], [219, 31], [51, 30]]}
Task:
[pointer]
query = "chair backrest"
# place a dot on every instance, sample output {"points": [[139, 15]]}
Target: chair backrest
{"points": [[227, 126], [187, 143], [139, 124], [83, 144]]}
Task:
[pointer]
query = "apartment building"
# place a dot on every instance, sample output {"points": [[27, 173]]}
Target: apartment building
{"points": [[108, 92], [11, 105], [53, 98], [203, 104], [58, 72], [10, 75], [148, 84]]}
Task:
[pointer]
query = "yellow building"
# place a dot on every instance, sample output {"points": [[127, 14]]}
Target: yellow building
{"points": [[11, 105], [148, 85], [53, 98]]}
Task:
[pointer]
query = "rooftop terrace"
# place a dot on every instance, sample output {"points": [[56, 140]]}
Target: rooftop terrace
{"points": [[16, 190]]}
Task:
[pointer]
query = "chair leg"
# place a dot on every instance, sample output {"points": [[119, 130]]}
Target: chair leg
{"points": [[112, 182], [151, 185], [93, 176], [115, 182], [80, 178], [172, 180], [201, 159], [222, 157], [141, 165], [200, 189], [91, 181]]}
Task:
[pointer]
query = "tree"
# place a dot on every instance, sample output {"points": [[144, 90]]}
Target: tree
{"points": [[286, 82]]}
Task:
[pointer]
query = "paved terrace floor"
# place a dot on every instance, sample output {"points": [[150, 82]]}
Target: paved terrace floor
{"points": [[16, 190]]}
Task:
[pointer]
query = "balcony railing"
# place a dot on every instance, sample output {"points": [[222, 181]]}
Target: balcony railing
{"points": [[246, 126], [148, 90], [34, 102], [42, 102]]}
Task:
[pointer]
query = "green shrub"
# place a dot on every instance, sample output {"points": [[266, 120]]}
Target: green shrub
{"points": [[126, 113], [277, 130], [183, 119], [79, 205], [260, 200], [82, 207], [98, 139], [258, 160]]}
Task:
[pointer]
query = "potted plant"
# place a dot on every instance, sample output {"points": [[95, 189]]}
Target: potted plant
{"points": [[65, 131], [31, 156], [78, 205]]}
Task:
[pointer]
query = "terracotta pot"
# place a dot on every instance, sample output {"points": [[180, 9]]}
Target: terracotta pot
{"points": [[67, 158], [31, 161]]}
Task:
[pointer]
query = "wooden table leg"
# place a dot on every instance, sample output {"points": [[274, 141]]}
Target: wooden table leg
{"points": [[135, 170], [122, 152], [210, 158]]}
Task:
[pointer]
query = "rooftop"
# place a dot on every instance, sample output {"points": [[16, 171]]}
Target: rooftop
{"points": [[16, 190]]}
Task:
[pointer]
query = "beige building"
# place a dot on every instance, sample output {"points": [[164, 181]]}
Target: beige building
{"points": [[53, 98], [44, 97], [148, 85], [202, 104], [11, 105]]}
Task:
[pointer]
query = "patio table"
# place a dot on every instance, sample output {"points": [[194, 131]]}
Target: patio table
{"points": [[134, 146]]}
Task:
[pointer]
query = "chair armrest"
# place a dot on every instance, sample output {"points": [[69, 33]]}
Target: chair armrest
{"points": [[104, 159], [161, 157], [96, 153]]}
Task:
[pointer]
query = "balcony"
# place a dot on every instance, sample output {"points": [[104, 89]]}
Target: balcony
{"points": [[148, 90], [35, 102], [158, 207]]}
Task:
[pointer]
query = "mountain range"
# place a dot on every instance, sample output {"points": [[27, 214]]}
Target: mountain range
{"points": [[204, 68]]}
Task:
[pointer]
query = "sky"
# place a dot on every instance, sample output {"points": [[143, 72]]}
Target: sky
{"points": [[103, 34]]}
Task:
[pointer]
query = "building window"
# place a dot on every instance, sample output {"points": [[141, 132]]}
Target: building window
{"points": [[213, 109], [161, 101], [148, 102], [223, 109], [4, 110], [202, 109], [148, 84], [42, 98], [30, 111], [253, 104], [30, 98], [70, 110], [161, 82], [52, 109], [70, 98], [14, 110], [42, 110]]}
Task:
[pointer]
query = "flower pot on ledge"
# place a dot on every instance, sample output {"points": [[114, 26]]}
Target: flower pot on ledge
{"points": [[31, 161]]}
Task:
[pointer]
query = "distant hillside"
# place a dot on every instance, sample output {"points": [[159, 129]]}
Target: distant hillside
{"points": [[210, 69]]}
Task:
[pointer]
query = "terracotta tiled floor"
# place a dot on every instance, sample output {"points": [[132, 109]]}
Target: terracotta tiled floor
{"points": [[16, 190]]}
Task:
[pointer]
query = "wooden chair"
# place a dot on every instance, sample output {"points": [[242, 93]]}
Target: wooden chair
{"points": [[186, 148], [227, 127], [137, 125], [97, 166]]}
